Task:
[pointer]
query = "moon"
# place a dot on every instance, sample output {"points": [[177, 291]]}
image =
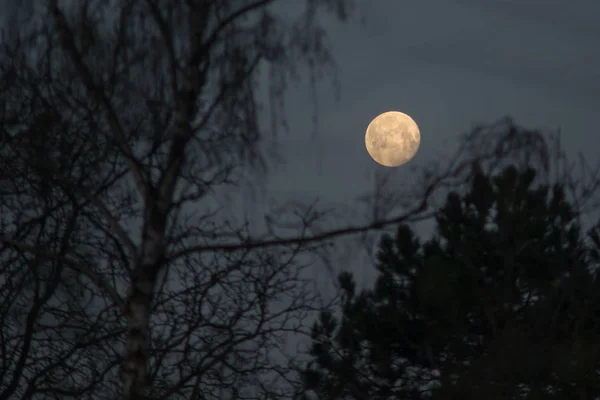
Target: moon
{"points": [[392, 139]]}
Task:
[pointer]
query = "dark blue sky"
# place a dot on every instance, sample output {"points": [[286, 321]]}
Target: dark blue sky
{"points": [[450, 65]]}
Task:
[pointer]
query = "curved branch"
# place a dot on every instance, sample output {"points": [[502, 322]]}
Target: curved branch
{"points": [[96, 278], [250, 244], [66, 37]]}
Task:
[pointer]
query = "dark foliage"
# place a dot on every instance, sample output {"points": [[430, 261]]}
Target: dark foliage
{"points": [[500, 303]]}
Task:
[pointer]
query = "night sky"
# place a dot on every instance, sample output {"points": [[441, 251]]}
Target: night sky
{"points": [[450, 65]]}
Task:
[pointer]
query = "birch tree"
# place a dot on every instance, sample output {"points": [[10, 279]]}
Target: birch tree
{"points": [[160, 99]]}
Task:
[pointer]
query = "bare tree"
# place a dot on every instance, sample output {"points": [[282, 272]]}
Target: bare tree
{"points": [[132, 115]]}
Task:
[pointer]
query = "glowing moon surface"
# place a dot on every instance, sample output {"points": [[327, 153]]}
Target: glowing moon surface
{"points": [[392, 139]]}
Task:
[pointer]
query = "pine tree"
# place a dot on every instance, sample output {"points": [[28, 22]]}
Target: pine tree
{"points": [[499, 303]]}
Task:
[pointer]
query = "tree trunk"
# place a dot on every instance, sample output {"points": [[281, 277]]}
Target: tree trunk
{"points": [[143, 280]]}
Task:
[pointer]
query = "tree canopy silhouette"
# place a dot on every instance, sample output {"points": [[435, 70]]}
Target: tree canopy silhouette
{"points": [[119, 123], [502, 302]]}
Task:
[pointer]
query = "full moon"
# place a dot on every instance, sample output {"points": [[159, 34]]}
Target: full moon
{"points": [[392, 139]]}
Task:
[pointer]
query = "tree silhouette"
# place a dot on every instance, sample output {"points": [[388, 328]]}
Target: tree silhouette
{"points": [[123, 117], [500, 303]]}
